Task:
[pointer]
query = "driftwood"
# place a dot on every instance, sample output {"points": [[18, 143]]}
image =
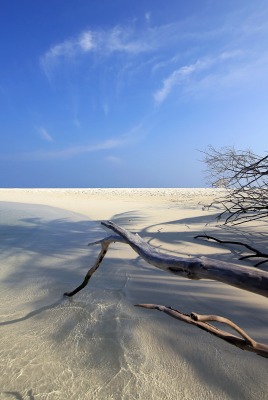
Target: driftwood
{"points": [[242, 277], [201, 321], [250, 279]]}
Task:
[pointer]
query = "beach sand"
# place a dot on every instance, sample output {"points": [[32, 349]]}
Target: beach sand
{"points": [[97, 345]]}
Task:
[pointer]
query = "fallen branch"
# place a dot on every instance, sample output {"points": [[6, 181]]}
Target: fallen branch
{"points": [[256, 253], [104, 248], [245, 342], [242, 277], [246, 278]]}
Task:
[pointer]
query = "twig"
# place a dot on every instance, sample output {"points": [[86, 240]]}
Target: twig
{"points": [[104, 248]]}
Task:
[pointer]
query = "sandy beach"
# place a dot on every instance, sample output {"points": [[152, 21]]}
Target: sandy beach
{"points": [[97, 345]]}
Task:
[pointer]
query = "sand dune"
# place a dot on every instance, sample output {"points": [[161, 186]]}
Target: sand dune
{"points": [[97, 345]]}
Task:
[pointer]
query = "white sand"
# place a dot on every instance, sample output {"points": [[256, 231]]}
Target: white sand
{"points": [[97, 345]]}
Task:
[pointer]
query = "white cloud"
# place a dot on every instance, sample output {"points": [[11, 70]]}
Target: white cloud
{"points": [[74, 151], [127, 139], [178, 76], [85, 41], [249, 76], [123, 40], [166, 63], [195, 73], [66, 50], [114, 160], [134, 39], [45, 135], [106, 108], [118, 39], [148, 16], [76, 122]]}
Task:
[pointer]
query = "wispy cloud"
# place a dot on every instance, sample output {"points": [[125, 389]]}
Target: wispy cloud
{"points": [[178, 76], [122, 40], [67, 50], [114, 160], [74, 151], [166, 63], [134, 39], [168, 44], [196, 72], [44, 134], [106, 108], [141, 36], [246, 77], [68, 152], [127, 139], [116, 40], [148, 16]]}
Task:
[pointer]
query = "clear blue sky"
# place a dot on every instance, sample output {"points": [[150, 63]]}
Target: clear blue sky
{"points": [[124, 93]]}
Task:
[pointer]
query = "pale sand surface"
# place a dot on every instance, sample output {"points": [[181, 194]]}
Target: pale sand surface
{"points": [[98, 345]]}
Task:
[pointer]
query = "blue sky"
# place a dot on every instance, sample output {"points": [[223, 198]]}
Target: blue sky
{"points": [[126, 93]]}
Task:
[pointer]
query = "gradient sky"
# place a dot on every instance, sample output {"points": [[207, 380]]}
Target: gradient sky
{"points": [[115, 93]]}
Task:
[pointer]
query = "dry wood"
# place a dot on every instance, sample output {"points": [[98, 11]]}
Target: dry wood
{"points": [[250, 279], [245, 177], [201, 321], [242, 277], [104, 247]]}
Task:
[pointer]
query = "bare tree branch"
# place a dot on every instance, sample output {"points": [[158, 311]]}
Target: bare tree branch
{"points": [[104, 248], [201, 321], [245, 177]]}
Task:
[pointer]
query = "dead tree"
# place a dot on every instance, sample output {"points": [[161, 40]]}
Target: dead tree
{"points": [[246, 278], [245, 177]]}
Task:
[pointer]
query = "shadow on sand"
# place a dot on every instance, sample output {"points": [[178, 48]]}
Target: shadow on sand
{"points": [[54, 253]]}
